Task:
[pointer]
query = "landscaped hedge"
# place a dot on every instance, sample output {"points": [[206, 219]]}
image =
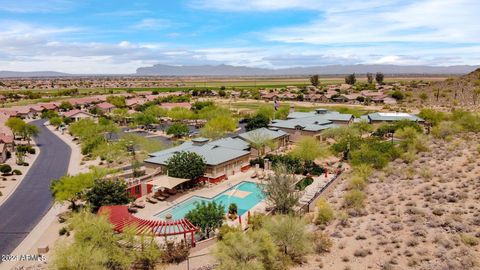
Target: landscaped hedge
{"points": [[293, 164], [305, 182]]}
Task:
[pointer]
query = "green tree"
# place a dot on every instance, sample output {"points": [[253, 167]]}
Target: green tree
{"points": [[207, 216], [251, 250], [180, 113], [95, 246], [119, 115], [72, 188], [144, 119], [350, 79], [65, 106], [107, 192], [178, 130], [15, 124], [188, 165], [28, 131], [291, 235], [259, 141], [56, 121], [117, 101], [258, 121], [363, 127], [279, 190], [379, 77], [314, 80], [219, 126], [309, 148], [267, 111]]}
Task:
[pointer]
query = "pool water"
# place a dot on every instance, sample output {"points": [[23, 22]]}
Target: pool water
{"points": [[249, 196]]}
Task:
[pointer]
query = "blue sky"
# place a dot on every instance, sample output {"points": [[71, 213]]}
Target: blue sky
{"points": [[107, 36]]}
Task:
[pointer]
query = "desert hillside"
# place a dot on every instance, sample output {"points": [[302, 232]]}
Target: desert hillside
{"points": [[459, 91], [423, 215]]}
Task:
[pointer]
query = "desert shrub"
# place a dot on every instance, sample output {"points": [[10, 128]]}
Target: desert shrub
{"points": [[16, 172], [469, 240], [322, 242], [446, 129], [224, 229], [354, 199], [256, 221], [325, 212], [5, 169], [175, 252], [357, 182], [361, 252], [364, 155]]}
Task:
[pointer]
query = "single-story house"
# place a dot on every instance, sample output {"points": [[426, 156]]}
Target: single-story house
{"points": [[299, 124], [105, 107], [76, 115], [223, 157], [384, 117]]}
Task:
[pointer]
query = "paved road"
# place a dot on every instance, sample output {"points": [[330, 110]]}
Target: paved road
{"points": [[32, 199]]}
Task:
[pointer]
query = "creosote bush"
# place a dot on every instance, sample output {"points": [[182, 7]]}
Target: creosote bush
{"points": [[325, 213]]}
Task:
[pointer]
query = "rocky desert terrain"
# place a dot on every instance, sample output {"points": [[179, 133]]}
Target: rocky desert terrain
{"points": [[422, 215]]}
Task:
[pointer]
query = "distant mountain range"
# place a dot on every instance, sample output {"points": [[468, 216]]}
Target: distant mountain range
{"points": [[19, 74], [228, 70]]}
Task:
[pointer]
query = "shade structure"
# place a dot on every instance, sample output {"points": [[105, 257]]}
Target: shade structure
{"points": [[120, 218], [166, 181]]}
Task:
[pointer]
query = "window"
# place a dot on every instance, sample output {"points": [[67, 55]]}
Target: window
{"points": [[137, 189]]}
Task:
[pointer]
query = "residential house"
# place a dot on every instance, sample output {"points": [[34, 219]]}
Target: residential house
{"points": [[77, 114], [300, 124], [105, 107], [385, 117], [223, 157]]}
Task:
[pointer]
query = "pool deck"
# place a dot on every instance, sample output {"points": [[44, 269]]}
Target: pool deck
{"points": [[208, 191]]}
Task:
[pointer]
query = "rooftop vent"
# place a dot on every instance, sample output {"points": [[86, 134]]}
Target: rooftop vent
{"points": [[199, 141], [321, 111]]}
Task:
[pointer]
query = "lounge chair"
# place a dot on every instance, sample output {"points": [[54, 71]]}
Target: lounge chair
{"points": [[139, 204], [160, 198], [254, 175], [171, 191], [163, 194], [151, 200]]}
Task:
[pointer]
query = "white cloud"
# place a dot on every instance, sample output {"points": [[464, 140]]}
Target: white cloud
{"points": [[36, 6], [452, 21], [152, 24]]}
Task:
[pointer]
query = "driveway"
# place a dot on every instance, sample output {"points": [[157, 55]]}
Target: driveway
{"points": [[32, 199]]}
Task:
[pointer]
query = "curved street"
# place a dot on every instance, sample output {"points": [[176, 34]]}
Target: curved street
{"points": [[32, 199]]}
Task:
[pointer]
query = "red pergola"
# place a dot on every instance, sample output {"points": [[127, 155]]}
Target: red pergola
{"points": [[119, 216]]}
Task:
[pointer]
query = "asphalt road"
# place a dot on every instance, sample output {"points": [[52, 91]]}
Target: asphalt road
{"points": [[32, 199]]}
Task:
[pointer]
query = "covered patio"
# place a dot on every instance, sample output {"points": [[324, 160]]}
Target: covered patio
{"points": [[120, 218]]}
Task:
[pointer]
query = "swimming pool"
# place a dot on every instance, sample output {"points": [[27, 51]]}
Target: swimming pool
{"points": [[245, 195]]}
